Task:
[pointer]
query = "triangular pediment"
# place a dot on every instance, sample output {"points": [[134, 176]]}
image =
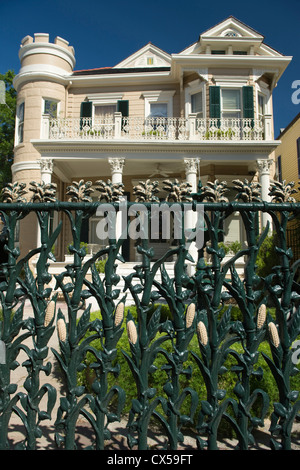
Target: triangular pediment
{"points": [[231, 32], [232, 28], [148, 56]]}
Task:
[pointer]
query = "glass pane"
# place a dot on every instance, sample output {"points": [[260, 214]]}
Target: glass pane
{"points": [[105, 110], [231, 99], [260, 105], [231, 114], [21, 112], [158, 110], [197, 102], [51, 108]]}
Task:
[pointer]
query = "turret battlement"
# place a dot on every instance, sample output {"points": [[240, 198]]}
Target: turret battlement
{"points": [[38, 55], [43, 38]]}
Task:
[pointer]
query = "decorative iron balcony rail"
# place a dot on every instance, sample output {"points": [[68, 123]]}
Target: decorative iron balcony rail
{"points": [[157, 128], [200, 304]]}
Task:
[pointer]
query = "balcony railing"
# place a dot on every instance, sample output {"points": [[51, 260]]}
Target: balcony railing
{"points": [[134, 128]]}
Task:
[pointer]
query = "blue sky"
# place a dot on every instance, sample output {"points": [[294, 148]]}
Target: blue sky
{"points": [[105, 32]]}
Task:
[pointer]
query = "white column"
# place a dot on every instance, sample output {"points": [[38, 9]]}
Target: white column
{"points": [[263, 166], [191, 171], [46, 166], [117, 165]]}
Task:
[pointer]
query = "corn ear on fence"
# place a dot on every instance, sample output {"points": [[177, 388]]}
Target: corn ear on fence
{"points": [[40, 310]]}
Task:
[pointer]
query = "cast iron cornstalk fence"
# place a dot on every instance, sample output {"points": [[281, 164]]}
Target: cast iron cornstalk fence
{"points": [[195, 300]]}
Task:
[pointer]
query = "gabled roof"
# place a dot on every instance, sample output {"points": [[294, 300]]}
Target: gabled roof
{"points": [[231, 23], [140, 58], [233, 31]]}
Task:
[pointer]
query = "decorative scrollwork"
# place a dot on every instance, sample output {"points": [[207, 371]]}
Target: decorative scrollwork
{"points": [[214, 191], [178, 192], [14, 192], [145, 191], [247, 191], [109, 192], [43, 192], [80, 191], [282, 191]]}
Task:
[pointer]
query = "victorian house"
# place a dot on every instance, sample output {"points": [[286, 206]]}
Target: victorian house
{"points": [[203, 113]]}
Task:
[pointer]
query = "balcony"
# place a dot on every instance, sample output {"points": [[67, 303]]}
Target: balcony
{"points": [[172, 129]]}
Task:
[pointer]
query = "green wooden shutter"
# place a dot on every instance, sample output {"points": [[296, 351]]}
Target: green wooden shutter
{"points": [[248, 105], [123, 107], [86, 109], [214, 102]]}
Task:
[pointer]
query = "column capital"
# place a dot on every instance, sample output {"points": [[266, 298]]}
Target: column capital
{"points": [[46, 165], [264, 166], [116, 164], [191, 165]]}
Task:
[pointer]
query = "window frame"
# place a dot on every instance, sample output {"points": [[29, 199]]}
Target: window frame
{"points": [[158, 97], [197, 86], [44, 100], [262, 90], [238, 110], [104, 99]]}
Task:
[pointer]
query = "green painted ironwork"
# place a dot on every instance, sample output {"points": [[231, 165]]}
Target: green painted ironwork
{"points": [[196, 302]]}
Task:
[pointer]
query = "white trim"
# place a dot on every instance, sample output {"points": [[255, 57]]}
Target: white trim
{"points": [[231, 82], [105, 98], [47, 48], [28, 165], [42, 68], [262, 89]]}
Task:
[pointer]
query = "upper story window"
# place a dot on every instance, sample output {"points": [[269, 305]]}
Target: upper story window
{"points": [[216, 51], [103, 105], [158, 103], [194, 98], [51, 108], [197, 103], [105, 110], [261, 105], [231, 103], [158, 110], [20, 123]]}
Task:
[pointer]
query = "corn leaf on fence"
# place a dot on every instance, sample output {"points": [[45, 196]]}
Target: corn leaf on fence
{"points": [[195, 301]]}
